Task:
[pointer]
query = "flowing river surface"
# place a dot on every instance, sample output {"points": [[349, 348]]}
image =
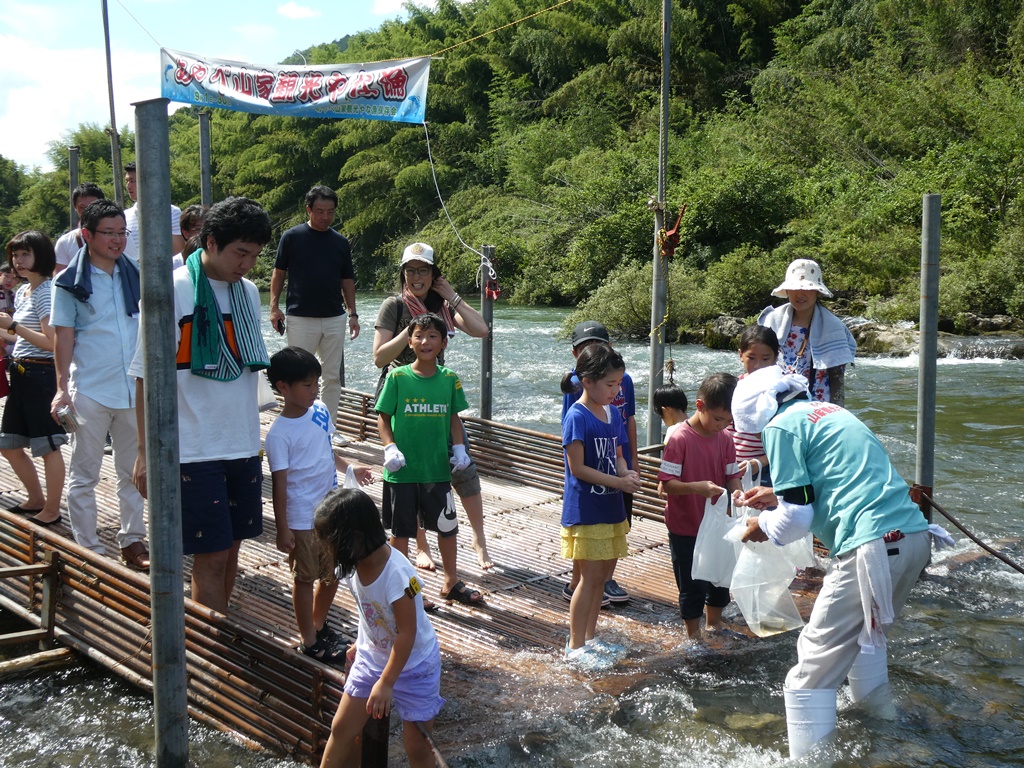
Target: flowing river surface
{"points": [[956, 656]]}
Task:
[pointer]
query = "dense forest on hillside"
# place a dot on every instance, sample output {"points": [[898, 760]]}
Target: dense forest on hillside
{"points": [[798, 129]]}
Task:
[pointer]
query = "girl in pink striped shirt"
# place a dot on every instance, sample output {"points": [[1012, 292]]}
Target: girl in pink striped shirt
{"points": [[759, 348]]}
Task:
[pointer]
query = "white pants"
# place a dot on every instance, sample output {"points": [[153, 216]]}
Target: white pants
{"points": [[325, 338], [95, 421], [828, 644]]}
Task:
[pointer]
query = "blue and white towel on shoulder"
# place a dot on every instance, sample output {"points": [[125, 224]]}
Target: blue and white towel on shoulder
{"points": [[832, 344]]}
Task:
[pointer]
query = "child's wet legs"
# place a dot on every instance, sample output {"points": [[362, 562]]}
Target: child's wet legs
{"points": [[417, 748], [341, 749]]}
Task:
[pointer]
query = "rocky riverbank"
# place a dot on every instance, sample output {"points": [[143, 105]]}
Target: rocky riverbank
{"points": [[993, 337]]}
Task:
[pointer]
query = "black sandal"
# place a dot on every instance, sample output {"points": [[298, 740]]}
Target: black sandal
{"points": [[325, 652], [460, 593]]}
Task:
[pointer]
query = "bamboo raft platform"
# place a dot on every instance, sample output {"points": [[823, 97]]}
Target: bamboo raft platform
{"points": [[245, 675]]}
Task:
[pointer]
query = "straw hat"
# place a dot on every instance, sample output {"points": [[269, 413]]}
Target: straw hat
{"points": [[802, 275]]}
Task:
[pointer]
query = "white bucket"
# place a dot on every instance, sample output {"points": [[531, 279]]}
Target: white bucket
{"points": [[810, 718]]}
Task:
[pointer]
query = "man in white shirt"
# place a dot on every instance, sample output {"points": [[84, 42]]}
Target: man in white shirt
{"points": [[131, 217], [70, 243]]}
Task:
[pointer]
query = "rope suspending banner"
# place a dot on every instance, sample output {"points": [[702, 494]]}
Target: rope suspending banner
{"points": [[498, 29]]}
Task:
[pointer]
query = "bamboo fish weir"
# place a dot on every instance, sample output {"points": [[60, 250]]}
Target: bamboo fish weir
{"points": [[499, 659]]}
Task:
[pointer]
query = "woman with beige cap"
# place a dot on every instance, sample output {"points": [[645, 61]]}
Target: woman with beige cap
{"points": [[812, 341], [423, 289]]}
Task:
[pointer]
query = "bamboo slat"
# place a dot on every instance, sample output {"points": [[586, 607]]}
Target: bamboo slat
{"points": [[244, 672]]}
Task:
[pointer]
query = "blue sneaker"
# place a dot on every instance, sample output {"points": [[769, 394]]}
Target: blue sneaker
{"points": [[587, 659], [613, 651], [614, 593], [567, 596]]}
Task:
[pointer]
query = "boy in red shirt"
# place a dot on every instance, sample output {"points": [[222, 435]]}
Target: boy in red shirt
{"points": [[699, 463]]}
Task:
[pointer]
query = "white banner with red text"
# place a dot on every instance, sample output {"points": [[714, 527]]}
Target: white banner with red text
{"points": [[391, 90]]}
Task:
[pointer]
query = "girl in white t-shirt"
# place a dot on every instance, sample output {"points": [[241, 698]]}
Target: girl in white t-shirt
{"points": [[396, 657]]}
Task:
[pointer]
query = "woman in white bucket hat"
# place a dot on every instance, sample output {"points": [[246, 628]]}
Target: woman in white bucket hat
{"points": [[812, 341]]}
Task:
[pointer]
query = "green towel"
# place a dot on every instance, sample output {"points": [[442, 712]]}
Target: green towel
{"points": [[212, 357]]}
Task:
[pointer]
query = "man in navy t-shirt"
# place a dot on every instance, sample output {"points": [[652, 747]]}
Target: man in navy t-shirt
{"points": [[321, 285]]}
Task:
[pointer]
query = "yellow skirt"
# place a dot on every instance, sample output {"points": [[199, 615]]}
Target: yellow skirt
{"points": [[604, 541]]}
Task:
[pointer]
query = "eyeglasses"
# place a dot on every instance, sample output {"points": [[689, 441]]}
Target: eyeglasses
{"points": [[419, 271], [117, 233]]}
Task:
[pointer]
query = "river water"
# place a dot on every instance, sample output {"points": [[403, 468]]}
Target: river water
{"points": [[956, 656]]}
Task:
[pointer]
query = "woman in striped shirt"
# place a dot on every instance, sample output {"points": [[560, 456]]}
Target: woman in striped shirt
{"points": [[27, 422]]}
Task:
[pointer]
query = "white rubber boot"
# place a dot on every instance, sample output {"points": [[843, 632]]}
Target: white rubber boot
{"points": [[810, 718], [868, 672], [869, 684]]}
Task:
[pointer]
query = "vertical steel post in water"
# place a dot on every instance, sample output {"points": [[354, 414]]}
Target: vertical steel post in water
{"points": [[72, 183], [928, 344], [205, 183], [487, 347], [167, 592], [115, 140], [659, 291]]}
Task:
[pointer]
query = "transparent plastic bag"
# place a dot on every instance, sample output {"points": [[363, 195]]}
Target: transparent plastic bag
{"points": [[714, 555], [750, 480], [264, 392], [760, 587], [350, 478]]}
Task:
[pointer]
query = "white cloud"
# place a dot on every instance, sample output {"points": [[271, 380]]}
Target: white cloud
{"points": [[39, 102], [293, 10], [395, 7], [252, 37]]}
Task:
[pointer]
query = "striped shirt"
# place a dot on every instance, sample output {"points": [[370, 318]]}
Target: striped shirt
{"points": [[30, 307], [748, 445]]}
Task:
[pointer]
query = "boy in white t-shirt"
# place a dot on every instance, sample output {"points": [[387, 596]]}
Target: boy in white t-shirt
{"points": [[302, 471]]}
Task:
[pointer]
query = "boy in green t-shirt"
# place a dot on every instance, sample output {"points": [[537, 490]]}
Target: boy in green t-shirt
{"points": [[417, 410]]}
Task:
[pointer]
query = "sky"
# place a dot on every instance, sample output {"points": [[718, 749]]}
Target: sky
{"points": [[53, 69]]}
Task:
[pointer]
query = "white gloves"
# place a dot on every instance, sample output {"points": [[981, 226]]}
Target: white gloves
{"points": [[940, 537], [460, 459], [393, 458]]}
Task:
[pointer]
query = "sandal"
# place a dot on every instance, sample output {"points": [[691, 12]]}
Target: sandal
{"points": [[327, 634], [325, 652], [460, 593]]}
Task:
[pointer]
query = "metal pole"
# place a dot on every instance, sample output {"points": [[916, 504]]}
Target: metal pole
{"points": [[659, 292], [205, 184], [167, 593], [72, 183], [928, 350], [487, 347], [115, 140]]}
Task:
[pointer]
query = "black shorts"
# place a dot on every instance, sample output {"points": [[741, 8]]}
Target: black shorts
{"points": [[27, 422], [221, 503], [406, 507]]}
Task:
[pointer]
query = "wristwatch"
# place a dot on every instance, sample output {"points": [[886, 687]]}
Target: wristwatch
{"points": [[353, 315]]}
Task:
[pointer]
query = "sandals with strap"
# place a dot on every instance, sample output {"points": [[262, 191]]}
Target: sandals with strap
{"points": [[327, 634], [460, 593], [325, 652]]}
